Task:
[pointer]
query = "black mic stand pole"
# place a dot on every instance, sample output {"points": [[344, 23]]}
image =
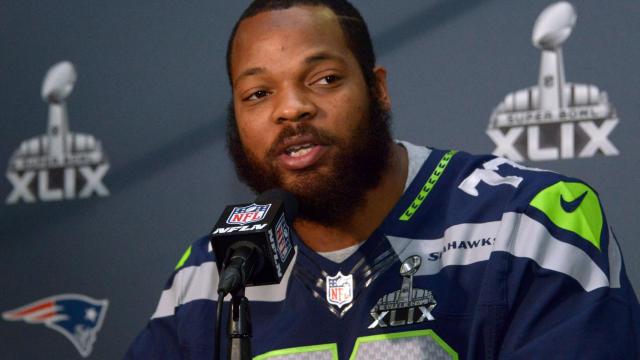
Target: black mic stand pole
{"points": [[239, 327]]}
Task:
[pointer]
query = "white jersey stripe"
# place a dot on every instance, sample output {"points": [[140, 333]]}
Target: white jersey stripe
{"points": [[449, 249], [615, 261], [200, 283], [536, 243], [462, 244], [465, 244]]}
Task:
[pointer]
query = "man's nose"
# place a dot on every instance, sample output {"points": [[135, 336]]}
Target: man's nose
{"points": [[293, 104]]}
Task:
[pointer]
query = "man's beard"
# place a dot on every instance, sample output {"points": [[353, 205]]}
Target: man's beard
{"points": [[329, 197]]}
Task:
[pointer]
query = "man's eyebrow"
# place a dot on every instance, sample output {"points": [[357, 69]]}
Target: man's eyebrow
{"points": [[319, 57], [250, 72], [322, 56]]}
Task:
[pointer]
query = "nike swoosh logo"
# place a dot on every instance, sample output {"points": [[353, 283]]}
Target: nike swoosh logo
{"points": [[571, 206]]}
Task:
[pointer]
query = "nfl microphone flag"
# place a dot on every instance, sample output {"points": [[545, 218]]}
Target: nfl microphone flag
{"points": [[262, 224]]}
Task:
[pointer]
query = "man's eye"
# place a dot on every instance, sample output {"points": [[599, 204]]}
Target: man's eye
{"points": [[327, 80], [257, 95]]}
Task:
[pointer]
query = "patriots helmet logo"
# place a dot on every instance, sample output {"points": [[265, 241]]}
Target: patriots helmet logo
{"points": [[77, 317]]}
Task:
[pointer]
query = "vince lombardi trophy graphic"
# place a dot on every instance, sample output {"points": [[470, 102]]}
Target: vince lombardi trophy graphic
{"points": [[56, 87], [551, 29], [58, 165], [555, 119], [408, 305]]}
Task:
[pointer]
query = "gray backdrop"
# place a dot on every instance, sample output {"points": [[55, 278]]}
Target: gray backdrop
{"points": [[152, 88]]}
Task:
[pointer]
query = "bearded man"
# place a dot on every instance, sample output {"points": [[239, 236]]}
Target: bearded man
{"points": [[403, 252]]}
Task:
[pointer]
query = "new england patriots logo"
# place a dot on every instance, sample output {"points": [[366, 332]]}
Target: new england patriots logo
{"points": [[77, 317]]}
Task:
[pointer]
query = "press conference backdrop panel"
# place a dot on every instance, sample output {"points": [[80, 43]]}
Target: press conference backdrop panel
{"points": [[117, 163]]}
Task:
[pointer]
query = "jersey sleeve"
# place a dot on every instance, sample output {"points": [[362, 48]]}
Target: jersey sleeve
{"points": [[190, 286], [568, 293], [158, 340]]}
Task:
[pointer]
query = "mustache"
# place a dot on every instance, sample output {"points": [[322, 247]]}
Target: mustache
{"points": [[319, 137]]}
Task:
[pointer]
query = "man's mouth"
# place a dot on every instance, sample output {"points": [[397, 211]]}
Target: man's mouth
{"points": [[300, 152]]}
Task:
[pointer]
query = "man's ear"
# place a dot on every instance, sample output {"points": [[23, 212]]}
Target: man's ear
{"points": [[381, 86]]}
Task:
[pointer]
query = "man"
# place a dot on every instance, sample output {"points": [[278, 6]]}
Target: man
{"points": [[403, 252]]}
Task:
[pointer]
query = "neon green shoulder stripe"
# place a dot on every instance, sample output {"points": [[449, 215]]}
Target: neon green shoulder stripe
{"points": [[572, 206], [184, 258], [428, 186]]}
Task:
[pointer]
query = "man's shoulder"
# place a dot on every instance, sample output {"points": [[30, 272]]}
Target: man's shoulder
{"points": [[193, 278], [197, 253], [555, 220], [456, 187], [197, 258], [488, 178]]}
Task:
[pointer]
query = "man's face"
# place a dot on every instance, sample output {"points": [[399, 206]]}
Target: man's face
{"points": [[302, 109]]}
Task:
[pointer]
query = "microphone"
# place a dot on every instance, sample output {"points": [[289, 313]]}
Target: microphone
{"points": [[255, 240]]}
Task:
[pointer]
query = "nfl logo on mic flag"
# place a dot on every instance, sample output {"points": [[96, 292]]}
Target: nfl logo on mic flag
{"points": [[283, 238], [248, 214]]}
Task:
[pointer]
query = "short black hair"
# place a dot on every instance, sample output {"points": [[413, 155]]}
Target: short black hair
{"points": [[351, 22]]}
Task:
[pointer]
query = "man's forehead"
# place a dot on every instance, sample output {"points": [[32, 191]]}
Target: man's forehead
{"points": [[284, 29], [295, 16]]}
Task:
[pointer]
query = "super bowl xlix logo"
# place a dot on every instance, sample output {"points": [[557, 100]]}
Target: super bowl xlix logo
{"points": [[406, 306], [59, 165], [555, 119]]}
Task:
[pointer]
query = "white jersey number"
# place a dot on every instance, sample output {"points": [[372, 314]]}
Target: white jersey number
{"points": [[488, 174]]}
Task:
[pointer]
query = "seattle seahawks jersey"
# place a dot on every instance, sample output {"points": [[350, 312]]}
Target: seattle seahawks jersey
{"points": [[481, 258]]}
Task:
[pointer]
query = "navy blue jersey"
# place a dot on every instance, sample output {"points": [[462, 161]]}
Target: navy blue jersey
{"points": [[481, 258]]}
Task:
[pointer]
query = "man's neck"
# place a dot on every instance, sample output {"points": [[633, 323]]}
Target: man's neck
{"points": [[377, 204]]}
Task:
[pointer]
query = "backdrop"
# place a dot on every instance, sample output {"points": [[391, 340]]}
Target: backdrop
{"points": [[89, 236]]}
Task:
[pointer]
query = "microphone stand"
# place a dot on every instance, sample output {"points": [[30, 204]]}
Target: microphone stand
{"points": [[239, 327]]}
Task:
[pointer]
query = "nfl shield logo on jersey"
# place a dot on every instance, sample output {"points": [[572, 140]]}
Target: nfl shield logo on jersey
{"points": [[340, 289], [242, 215]]}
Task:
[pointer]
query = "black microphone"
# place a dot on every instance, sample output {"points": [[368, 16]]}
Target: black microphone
{"points": [[255, 240]]}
